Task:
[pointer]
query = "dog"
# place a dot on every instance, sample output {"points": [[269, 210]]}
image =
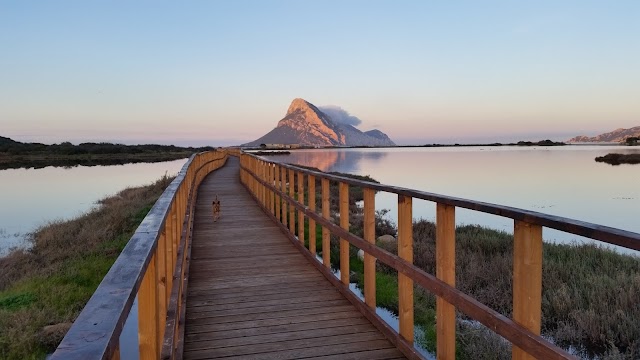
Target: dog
{"points": [[216, 209]]}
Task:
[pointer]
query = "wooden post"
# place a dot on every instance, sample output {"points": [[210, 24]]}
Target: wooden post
{"points": [[445, 271], [284, 202], [278, 199], [162, 293], [147, 311], [527, 280], [311, 185], [300, 213], [405, 251], [292, 212], [272, 194], [116, 354], [344, 223], [326, 213], [168, 229], [370, 237]]}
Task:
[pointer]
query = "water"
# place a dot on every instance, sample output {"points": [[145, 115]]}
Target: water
{"points": [[563, 181], [32, 197]]}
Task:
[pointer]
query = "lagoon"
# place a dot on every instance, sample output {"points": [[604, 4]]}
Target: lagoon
{"points": [[563, 181], [33, 197]]}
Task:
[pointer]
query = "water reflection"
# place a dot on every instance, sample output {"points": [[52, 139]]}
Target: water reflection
{"points": [[562, 181], [33, 197]]}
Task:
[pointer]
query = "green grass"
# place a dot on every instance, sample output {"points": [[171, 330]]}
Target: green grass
{"points": [[51, 283]]}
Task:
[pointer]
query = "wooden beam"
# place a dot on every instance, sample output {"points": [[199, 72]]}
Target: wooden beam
{"points": [[326, 213], [292, 213], [370, 237], [344, 223], [147, 311], [278, 199], [445, 271], [527, 280], [311, 185], [405, 252], [300, 213], [162, 293], [284, 190]]}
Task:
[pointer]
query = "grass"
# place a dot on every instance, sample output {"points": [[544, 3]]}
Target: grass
{"points": [[589, 300], [50, 283]]}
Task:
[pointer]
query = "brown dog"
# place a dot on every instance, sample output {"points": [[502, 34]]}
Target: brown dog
{"points": [[216, 209]]}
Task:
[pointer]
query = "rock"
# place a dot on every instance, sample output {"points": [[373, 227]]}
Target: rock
{"points": [[361, 254], [387, 239], [51, 335], [353, 277]]}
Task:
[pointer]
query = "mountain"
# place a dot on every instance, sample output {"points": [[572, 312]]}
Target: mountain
{"points": [[618, 135], [306, 125]]}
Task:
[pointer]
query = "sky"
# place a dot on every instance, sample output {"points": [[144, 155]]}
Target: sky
{"points": [[224, 72]]}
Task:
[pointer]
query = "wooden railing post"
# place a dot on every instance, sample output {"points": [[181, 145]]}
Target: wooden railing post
{"points": [[170, 264], [445, 271], [147, 311], [161, 281], [326, 213], [272, 200], [311, 185], [370, 237], [300, 213], [284, 191], [344, 223], [527, 280], [292, 212], [278, 198], [405, 251]]}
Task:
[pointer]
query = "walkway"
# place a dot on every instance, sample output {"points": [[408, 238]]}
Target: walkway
{"points": [[252, 295]]}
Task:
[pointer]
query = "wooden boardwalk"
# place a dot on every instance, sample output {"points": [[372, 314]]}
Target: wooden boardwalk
{"points": [[252, 295]]}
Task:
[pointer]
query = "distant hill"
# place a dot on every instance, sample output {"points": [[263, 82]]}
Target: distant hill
{"points": [[306, 125], [618, 135]]}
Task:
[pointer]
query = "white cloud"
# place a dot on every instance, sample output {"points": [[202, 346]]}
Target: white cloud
{"points": [[340, 115]]}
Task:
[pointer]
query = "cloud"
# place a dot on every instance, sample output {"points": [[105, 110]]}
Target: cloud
{"points": [[340, 115]]}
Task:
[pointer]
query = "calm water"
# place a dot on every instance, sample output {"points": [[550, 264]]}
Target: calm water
{"points": [[564, 181], [32, 197]]}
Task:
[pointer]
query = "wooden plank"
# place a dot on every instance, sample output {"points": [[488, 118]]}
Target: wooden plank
{"points": [[284, 190], [405, 252], [311, 180], [370, 237], [527, 280], [147, 312], [445, 271], [161, 283], [300, 213], [344, 223], [326, 213], [278, 199], [292, 214]]}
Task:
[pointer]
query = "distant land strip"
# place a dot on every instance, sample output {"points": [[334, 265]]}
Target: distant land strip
{"points": [[15, 154]]}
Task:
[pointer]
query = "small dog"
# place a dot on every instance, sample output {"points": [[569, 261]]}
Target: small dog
{"points": [[216, 209]]}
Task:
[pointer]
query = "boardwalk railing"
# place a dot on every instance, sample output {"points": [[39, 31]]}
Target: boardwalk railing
{"points": [[153, 266], [273, 185]]}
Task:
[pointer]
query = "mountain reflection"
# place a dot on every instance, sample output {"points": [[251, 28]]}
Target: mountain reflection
{"points": [[346, 161]]}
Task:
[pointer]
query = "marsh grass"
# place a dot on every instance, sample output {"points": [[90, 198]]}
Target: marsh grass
{"points": [[50, 283]]}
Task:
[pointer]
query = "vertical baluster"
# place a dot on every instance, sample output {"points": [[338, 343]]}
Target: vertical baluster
{"points": [[311, 193], [162, 293], [284, 191], [405, 251], [147, 310], [344, 223], [445, 271], [527, 280], [116, 354], [169, 252], [272, 200], [278, 198], [326, 213], [292, 213], [370, 237], [300, 213]]}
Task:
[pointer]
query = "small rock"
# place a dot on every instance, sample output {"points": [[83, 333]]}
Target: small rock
{"points": [[361, 254], [387, 239]]}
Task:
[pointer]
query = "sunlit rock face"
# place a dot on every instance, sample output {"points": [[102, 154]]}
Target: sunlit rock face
{"points": [[306, 125], [618, 135]]}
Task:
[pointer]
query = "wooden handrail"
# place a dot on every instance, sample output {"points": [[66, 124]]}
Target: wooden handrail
{"points": [[152, 266], [523, 331]]}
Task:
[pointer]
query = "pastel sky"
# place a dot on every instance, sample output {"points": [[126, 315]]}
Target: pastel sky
{"points": [[224, 72]]}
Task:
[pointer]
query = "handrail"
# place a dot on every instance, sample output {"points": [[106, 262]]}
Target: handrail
{"points": [[149, 265], [267, 181]]}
